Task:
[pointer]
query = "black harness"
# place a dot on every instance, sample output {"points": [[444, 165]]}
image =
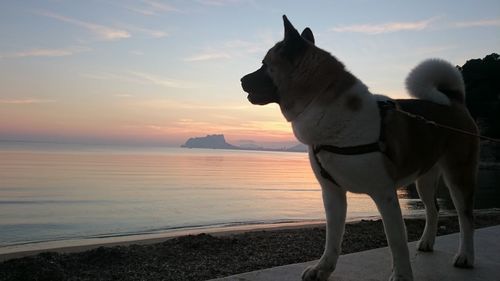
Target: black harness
{"points": [[378, 146]]}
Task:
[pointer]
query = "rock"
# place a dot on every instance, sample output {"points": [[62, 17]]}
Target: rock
{"points": [[210, 141]]}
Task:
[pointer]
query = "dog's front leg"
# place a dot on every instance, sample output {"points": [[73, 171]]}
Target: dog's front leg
{"points": [[334, 200], [388, 206]]}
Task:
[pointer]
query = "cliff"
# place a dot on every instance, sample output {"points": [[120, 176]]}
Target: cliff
{"points": [[219, 142], [210, 141]]}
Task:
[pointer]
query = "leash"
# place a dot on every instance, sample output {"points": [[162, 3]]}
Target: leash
{"points": [[453, 129]]}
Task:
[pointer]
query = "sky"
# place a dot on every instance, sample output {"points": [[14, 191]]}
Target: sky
{"points": [[159, 72]]}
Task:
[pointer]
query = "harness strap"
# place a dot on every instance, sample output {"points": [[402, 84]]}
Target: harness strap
{"points": [[324, 173], [378, 146], [349, 150]]}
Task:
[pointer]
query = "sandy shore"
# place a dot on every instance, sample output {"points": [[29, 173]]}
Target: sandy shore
{"points": [[204, 256], [80, 245]]}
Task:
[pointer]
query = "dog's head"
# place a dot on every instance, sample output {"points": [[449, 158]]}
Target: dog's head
{"points": [[271, 81]]}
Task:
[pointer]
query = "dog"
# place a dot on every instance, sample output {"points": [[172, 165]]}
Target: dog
{"points": [[328, 106]]}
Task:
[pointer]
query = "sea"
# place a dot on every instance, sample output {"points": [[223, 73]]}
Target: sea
{"points": [[58, 192]]}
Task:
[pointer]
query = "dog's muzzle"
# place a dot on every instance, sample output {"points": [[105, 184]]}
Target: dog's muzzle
{"points": [[260, 87]]}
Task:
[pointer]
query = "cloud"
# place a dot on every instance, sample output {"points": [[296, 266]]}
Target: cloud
{"points": [[103, 32], [478, 23], [149, 32], [104, 76], [123, 95], [219, 2], [25, 101], [160, 7], [42, 52], [122, 31], [150, 8], [162, 81], [208, 56], [142, 78], [232, 48], [167, 104], [137, 53], [413, 26], [277, 129], [386, 27], [250, 47]]}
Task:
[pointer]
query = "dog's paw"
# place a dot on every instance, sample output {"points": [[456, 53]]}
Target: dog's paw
{"points": [[425, 246], [313, 273], [463, 261]]}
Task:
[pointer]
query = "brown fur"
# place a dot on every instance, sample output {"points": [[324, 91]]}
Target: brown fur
{"points": [[316, 75], [414, 146]]}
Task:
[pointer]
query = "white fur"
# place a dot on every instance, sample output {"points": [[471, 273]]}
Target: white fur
{"points": [[336, 124], [424, 80], [335, 202]]}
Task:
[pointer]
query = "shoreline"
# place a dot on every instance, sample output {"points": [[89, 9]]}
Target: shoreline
{"points": [[84, 244], [207, 256]]}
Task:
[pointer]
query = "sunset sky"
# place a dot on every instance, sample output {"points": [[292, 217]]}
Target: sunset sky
{"points": [[158, 72]]}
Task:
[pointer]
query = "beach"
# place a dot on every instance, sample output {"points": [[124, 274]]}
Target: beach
{"points": [[206, 256], [127, 213]]}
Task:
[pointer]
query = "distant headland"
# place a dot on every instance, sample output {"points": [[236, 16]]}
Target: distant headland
{"points": [[218, 141], [210, 141]]}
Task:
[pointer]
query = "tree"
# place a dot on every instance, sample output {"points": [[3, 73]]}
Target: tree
{"points": [[482, 85]]}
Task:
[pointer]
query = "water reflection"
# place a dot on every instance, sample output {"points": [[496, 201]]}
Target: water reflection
{"points": [[487, 194], [49, 193]]}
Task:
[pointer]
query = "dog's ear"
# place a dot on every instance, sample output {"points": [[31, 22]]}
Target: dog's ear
{"points": [[308, 35], [293, 44]]}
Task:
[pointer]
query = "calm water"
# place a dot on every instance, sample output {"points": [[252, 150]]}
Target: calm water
{"points": [[54, 192]]}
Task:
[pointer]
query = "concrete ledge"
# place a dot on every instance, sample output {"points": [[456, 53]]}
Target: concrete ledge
{"points": [[374, 265]]}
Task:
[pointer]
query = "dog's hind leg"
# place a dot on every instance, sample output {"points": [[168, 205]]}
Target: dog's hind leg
{"points": [[461, 181], [335, 203], [395, 230], [426, 187]]}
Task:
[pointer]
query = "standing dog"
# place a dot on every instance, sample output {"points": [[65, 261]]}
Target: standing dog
{"points": [[328, 106]]}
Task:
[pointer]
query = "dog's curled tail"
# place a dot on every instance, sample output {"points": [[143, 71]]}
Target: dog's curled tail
{"points": [[438, 81]]}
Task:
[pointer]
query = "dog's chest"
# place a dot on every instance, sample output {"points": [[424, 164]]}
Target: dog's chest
{"points": [[337, 125], [316, 126]]}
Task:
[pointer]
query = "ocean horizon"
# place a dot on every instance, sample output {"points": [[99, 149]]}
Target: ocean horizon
{"points": [[56, 192]]}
